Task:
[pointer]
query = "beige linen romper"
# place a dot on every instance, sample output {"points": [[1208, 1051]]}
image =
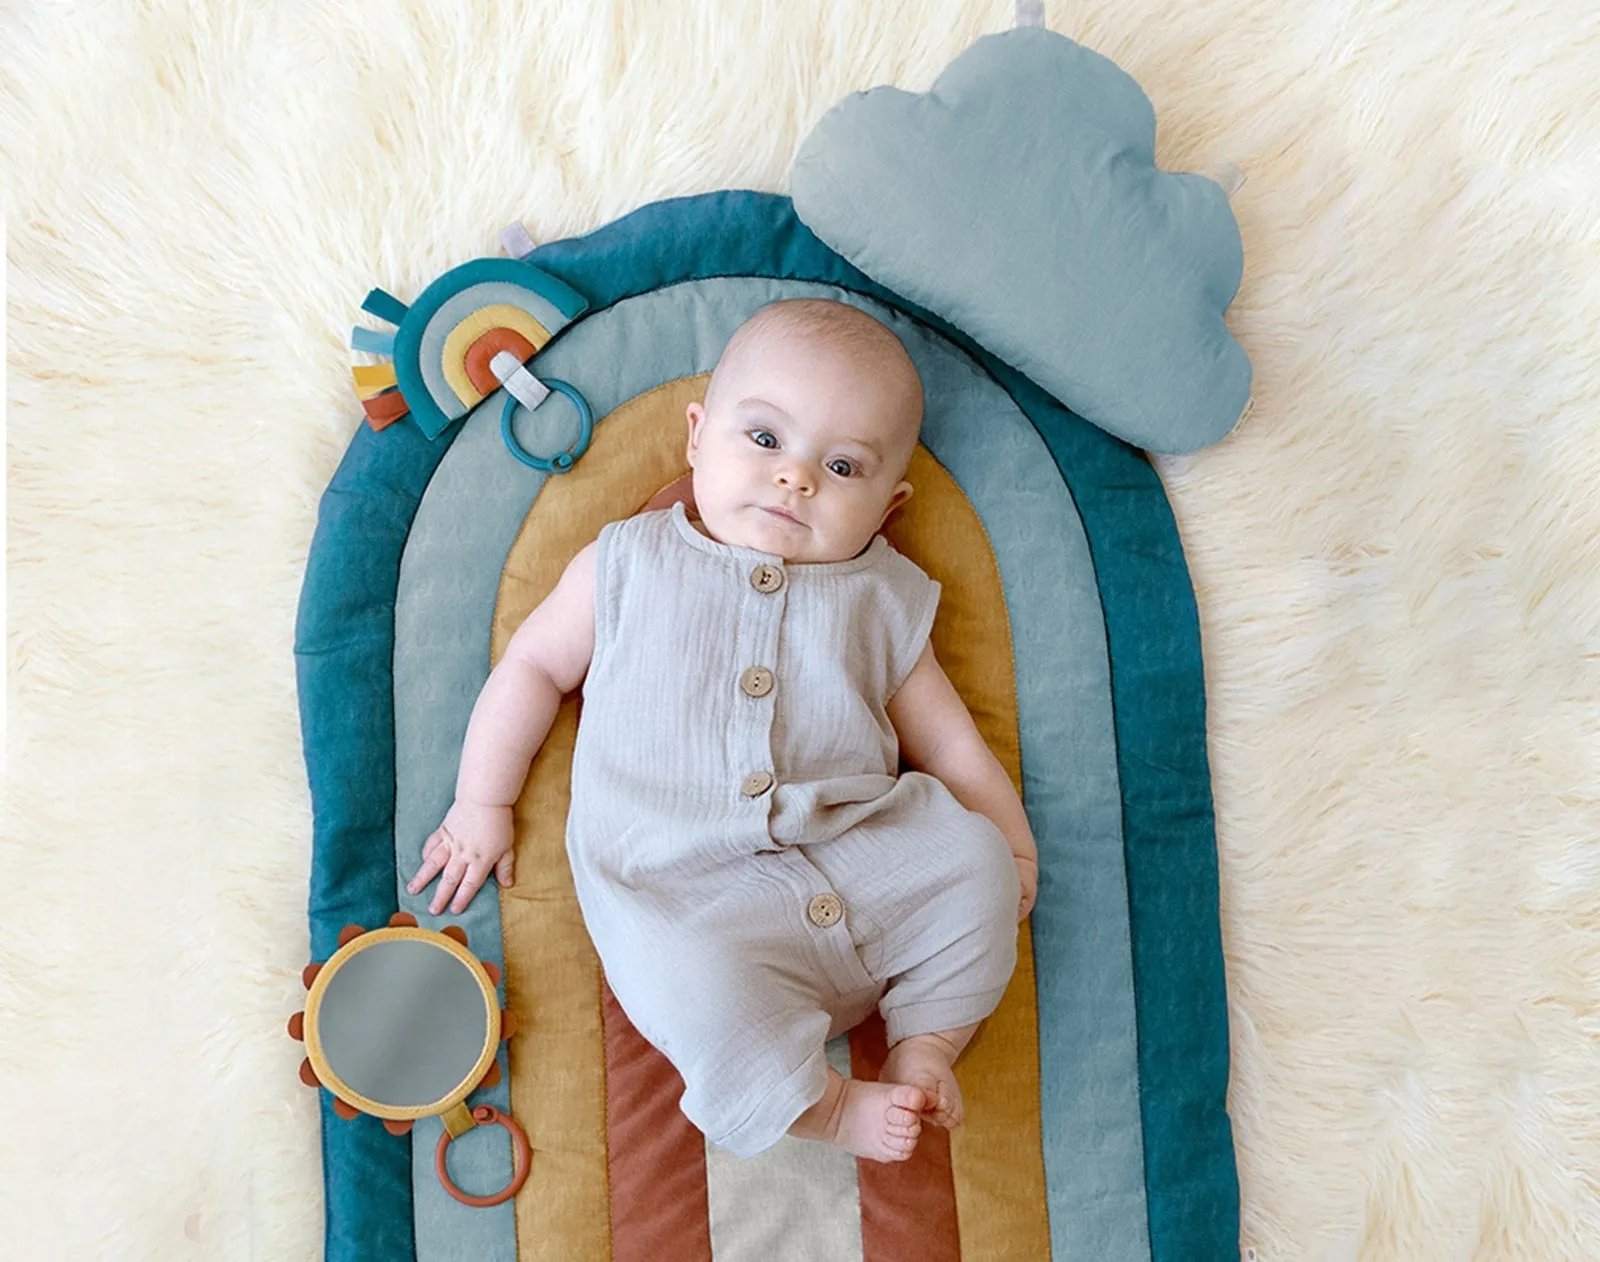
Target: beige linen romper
{"points": [[755, 876]]}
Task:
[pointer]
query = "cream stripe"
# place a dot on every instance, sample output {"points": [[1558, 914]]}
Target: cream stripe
{"points": [[797, 1201]]}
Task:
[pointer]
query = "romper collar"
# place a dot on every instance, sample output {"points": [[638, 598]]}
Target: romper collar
{"points": [[705, 543]]}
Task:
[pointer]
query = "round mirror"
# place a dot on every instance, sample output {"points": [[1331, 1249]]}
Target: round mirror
{"points": [[403, 1023]]}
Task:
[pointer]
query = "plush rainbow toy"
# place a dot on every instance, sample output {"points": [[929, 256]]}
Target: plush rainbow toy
{"points": [[468, 334]]}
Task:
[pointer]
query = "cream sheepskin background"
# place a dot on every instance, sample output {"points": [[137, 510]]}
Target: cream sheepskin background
{"points": [[1394, 556]]}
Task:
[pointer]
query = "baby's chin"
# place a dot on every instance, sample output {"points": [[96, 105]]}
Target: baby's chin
{"points": [[805, 550], [795, 544]]}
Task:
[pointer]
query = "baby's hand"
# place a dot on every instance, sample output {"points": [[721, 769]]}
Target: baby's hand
{"points": [[472, 840], [1028, 874]]}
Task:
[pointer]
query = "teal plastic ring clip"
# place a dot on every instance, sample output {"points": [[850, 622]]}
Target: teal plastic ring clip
{"points": [[561, 461]]}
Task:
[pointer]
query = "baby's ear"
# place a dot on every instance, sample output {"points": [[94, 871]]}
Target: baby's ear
{"points": [[695, 414], [900, 495]]}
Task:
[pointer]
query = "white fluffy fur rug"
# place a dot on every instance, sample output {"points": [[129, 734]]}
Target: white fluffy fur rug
{"points": [[1395, 556]]}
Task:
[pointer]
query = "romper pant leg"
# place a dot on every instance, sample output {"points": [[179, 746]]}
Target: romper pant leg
{"points": [[729, 991], [933, 888], [751, 1067]]}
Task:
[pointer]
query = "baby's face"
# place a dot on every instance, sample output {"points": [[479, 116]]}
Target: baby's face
{"points": [[801, 454]]}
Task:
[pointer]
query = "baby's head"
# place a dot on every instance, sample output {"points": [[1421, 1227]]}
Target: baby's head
{"points": [[808, 425]]}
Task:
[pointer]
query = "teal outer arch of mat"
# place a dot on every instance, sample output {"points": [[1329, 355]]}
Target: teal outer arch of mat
{"points": [[344, 645]]}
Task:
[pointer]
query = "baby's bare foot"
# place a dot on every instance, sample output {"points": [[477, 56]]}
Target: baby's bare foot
{"points": [[924, 1061], [878, 1120]]}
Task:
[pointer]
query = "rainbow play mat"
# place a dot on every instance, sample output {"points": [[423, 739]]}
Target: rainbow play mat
{"points": [[1062, 300]]}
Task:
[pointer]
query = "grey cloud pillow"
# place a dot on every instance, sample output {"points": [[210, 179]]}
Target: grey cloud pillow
{"points": [[1019, 199]]}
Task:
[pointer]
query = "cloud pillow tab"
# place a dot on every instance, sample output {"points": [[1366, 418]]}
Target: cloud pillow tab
{"points": [[1019, 199]]}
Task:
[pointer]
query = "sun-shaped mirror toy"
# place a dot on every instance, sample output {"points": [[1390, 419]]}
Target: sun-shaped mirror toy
{"points": [[402, 1022]]}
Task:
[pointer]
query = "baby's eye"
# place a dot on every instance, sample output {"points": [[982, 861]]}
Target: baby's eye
{"points": [[842, 467], [756, 435]]}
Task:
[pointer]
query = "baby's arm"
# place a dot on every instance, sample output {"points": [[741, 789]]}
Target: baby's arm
{"points": [[545, 659], [937, 736]]}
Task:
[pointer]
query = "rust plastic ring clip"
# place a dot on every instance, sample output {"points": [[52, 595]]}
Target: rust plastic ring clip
{"points": [[488, 1115]]}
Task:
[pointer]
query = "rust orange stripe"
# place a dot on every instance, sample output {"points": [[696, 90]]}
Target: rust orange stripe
{"points": [[908, 1208], [659, 1211]]}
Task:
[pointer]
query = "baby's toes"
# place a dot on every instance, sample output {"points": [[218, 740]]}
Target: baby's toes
{"points": [[933, 1095], [901, 1133], [899, 1147], [911, 1098], [898, 1121]]}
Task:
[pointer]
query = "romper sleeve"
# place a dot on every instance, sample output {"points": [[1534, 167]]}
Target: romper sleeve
{"points": [[915, 601], [606, 595]]}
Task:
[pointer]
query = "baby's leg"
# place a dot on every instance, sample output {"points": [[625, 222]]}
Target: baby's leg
{"points": [[936, 887], [879, 1120], [950, 961], [927, 1061]]}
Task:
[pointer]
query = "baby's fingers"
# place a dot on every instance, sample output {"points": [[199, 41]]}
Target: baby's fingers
{"points": [[435, 854], [477, 873], [452, 876]]}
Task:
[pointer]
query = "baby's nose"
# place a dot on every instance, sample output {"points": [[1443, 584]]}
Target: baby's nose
{"points": [[795, 478]]}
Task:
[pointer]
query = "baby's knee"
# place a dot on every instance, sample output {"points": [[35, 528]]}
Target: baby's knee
{"points": [[996, 887]]}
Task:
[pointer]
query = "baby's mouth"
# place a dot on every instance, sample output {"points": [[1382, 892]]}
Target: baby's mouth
{"points": [[783, 516]]}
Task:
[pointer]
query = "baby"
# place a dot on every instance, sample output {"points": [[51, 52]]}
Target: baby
{"points": [[754, 874]]}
